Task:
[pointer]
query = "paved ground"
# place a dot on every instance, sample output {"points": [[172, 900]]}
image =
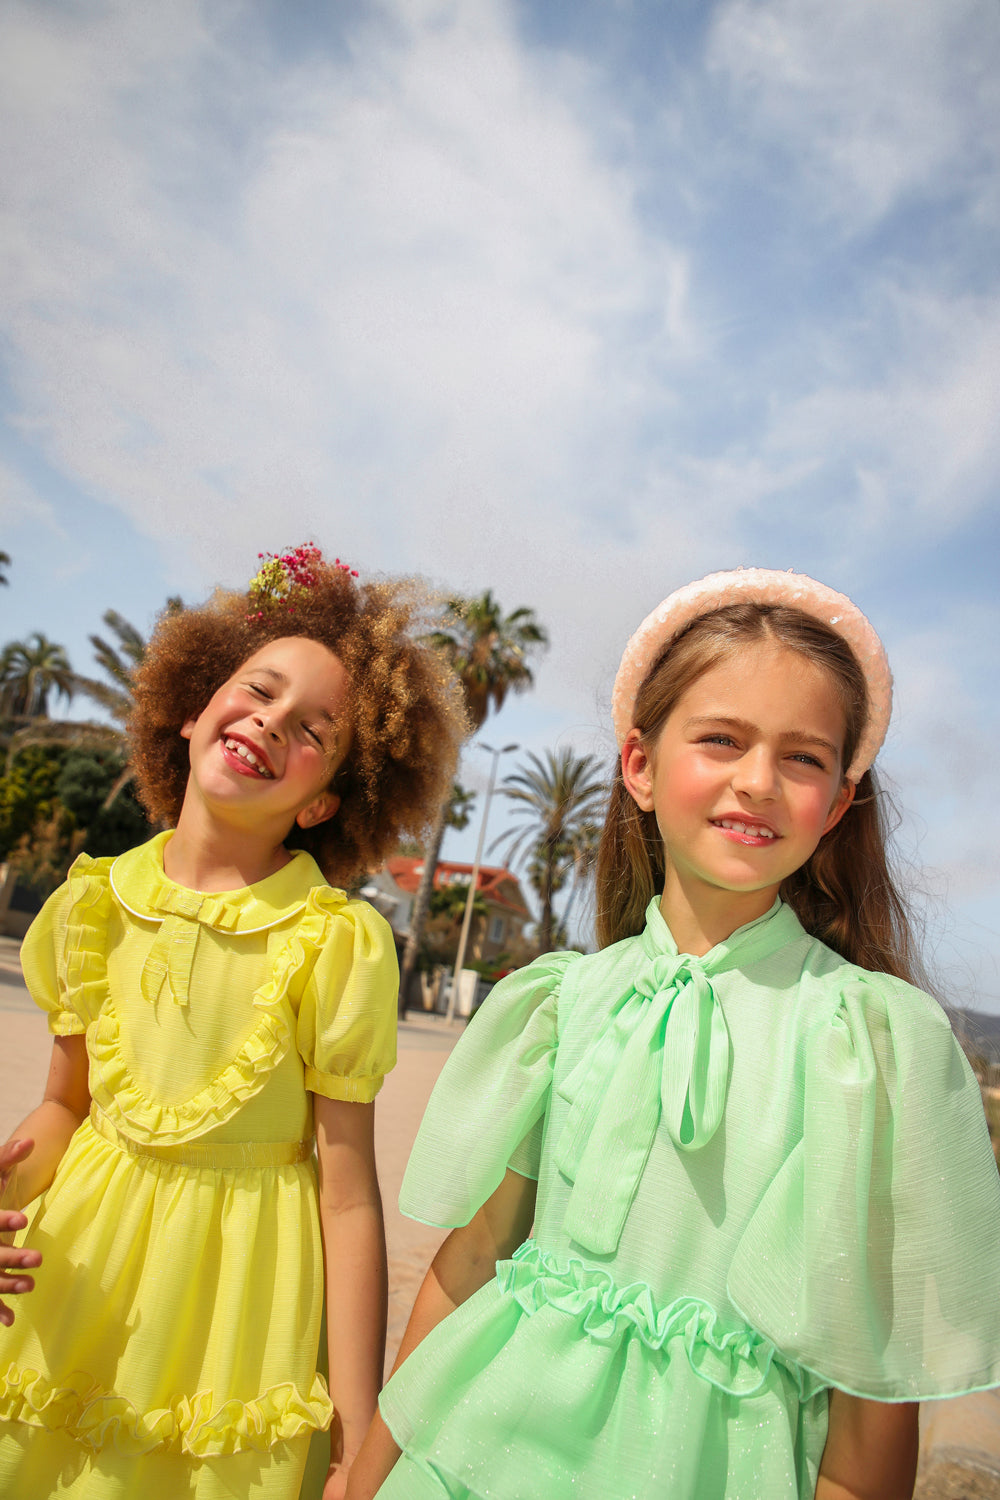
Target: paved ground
{"points": [[960, 1447]]}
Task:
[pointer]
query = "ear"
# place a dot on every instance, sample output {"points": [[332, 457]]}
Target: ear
{"points": [[187, 728], [841, 803], [637, 771], [319, 810]]}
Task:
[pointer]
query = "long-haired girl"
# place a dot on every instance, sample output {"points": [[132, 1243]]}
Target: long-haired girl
{"points": [[217, 1005], [767, 1217]]}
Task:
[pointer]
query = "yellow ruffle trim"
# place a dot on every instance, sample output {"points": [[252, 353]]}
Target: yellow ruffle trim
{"points": [[197, 1425], [112, 1086]]}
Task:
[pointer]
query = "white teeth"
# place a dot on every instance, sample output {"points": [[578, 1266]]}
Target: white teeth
{"points": [[754, 829], [238, 748]]}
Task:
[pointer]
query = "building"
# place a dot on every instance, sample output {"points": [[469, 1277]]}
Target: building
{"points": [[500, 932]]}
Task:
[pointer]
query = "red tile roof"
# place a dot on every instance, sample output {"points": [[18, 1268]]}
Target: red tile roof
{"points": [[407, 870]]}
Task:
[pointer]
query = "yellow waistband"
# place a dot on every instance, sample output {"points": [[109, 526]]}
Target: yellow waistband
{"points": [[217, 1155]]}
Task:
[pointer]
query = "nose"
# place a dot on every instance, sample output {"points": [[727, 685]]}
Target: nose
{"points": [[270, 721], [755, 775]]}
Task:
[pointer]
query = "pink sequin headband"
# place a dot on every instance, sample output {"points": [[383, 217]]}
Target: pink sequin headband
{"points": [[284, 576], [760, 586]]}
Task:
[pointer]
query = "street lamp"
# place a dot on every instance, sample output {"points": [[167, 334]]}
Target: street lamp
{"points": [[467, 918]]}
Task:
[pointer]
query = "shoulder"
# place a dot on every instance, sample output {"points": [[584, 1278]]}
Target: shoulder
{"points": [[537, 983], [87, 886], [848, 985], [337, 936]]}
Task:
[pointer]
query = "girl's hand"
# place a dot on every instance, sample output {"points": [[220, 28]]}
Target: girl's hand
{"points": [[13, 1262]]}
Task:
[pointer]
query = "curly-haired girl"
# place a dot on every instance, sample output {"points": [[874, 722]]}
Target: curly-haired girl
{"points": [[215, 1003]]}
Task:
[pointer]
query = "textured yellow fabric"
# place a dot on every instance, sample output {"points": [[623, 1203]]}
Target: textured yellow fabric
{"points": [[176, 1321], [761, 1173]]}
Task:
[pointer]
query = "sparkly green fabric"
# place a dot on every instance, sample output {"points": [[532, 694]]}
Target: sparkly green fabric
{"points": [[761, 1173]]}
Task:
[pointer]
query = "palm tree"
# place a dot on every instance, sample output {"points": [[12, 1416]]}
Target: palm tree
{"points": [[4, 565], [118, 663], [557, 801], [114, 696], [459, 807], [488, 651], [582, 857], [29, 671]]}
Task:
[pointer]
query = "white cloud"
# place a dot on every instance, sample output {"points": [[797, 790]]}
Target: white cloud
{"points": [[425, 297], [427, 282], [922, 430], [873, 102]]}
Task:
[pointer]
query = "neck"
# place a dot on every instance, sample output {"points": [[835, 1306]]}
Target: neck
{"points": [[700, 916], [207, 854]]}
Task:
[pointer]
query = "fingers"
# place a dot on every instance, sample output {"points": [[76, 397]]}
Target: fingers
{"points": [[13, 1152], [17, 1257], [14, 1261]]}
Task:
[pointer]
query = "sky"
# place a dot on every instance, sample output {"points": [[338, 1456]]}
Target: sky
{"points": [[575, 300]]}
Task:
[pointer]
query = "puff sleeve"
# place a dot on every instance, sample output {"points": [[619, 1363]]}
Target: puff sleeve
{"points": [[63, 953], [488, 1106], [873, 1259], [346, 1032]]}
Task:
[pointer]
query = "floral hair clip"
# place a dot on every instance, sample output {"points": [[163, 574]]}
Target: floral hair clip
{"points": [[283, 576]]}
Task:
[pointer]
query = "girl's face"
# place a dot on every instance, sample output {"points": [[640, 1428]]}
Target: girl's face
{"points": [[745, 777], [267, 745]]}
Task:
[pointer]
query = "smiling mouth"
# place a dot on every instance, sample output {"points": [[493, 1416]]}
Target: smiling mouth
{"points": [[746, 830], [253, 761]]}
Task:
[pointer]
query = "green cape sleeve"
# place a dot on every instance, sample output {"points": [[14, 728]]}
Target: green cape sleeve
{"points": [[873, 1259], [485, 1110]]}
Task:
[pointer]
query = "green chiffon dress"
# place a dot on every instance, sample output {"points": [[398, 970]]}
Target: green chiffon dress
{"points": [[761, 1173]]}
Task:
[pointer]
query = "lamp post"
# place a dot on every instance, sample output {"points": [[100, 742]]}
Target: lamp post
{"points": [[473, 883]]}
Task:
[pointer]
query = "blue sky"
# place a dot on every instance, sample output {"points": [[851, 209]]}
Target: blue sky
{"points": [[573, 301]]}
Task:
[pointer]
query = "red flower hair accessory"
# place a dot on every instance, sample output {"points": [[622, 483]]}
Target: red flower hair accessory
{"points": [[284, 576]]}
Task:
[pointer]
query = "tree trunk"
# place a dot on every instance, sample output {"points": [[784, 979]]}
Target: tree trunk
{"points": [[421, 904], [546, 893]]}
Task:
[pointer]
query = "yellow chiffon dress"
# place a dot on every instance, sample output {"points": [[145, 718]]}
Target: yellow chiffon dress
{"points": [[170, 1347]]}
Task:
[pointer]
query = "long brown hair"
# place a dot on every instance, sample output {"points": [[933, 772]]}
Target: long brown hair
{"points": [[844, 894]]}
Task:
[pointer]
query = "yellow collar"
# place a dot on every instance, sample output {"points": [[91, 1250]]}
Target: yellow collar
{"points": [[142, 888]]}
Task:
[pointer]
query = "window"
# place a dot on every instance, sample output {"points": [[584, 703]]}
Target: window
{"points": [[496, 930]]}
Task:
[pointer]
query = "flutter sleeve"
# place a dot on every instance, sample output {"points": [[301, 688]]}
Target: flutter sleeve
{"points": [[873, 1259], [63, 953], [488, 1106], [347, 1015]]}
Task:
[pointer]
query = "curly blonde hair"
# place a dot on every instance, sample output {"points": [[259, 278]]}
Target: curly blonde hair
{"points": [[406, 710]]}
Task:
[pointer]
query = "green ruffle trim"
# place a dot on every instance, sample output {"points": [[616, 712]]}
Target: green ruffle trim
{"points": [[735, 1358], [112, 1086], [197, 1425]]}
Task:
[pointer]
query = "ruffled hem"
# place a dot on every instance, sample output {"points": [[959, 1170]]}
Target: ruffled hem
{"points": [[198, 1426], [736, 1359], [112, 1086]]}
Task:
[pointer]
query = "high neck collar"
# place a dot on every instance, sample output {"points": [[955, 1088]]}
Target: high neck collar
{"points": [[765, 934]]}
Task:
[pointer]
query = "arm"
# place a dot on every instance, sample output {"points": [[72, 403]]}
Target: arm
{"points": [[354, 1252], [466, 1261], [29, 1160], [871, 1450]]}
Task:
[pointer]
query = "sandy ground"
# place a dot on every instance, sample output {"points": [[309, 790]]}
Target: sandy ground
{"points": [[960, 1439]]}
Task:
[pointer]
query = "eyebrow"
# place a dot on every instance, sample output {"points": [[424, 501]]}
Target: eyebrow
{"points": [[796, 736], [276, 676]]}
